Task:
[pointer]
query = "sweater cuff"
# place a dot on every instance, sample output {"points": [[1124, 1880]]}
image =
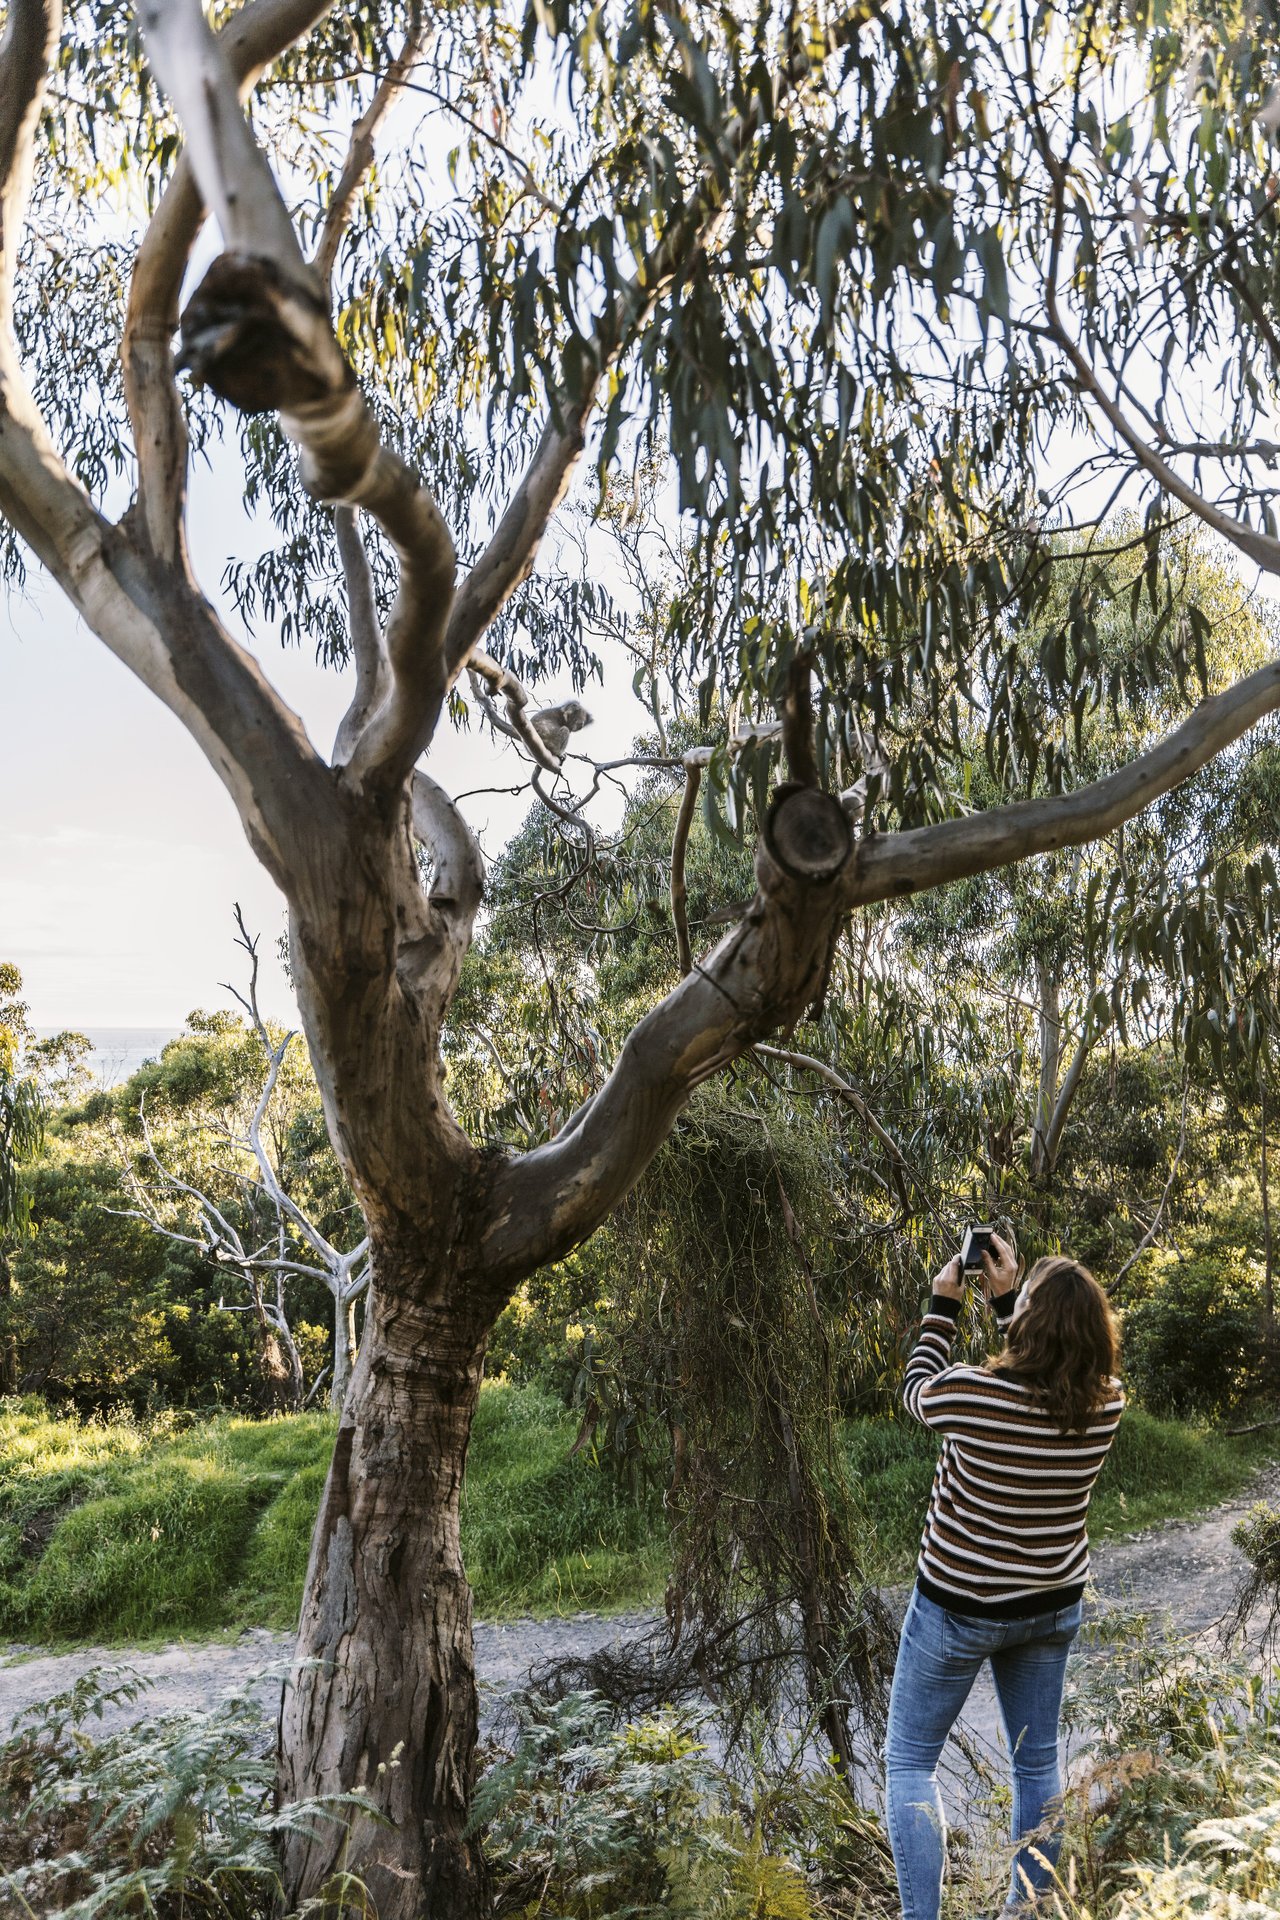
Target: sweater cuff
{"points": [[943, 1303], [1003, 1304]]}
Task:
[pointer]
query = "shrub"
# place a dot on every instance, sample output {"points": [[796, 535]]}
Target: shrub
{"points": [[1193, 1344], [172, 1817], [591, 1823]]}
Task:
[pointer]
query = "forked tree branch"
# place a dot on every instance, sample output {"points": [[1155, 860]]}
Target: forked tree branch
{"points": [[151, 621], [764, 974], [258, 331], [38, 497], [255, 36], [761, 977]]}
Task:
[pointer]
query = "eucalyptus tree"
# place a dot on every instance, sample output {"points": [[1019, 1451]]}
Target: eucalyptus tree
{"points": [[1043, 947], [776, 244]]}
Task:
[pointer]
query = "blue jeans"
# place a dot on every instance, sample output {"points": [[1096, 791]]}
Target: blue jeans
{"points": [[938, 1659]]}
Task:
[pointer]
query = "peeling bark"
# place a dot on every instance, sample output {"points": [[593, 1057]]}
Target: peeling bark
{"points": [[382, 1695]]}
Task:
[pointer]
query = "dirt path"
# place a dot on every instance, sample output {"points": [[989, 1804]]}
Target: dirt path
{"points": [[1187, 1567]]}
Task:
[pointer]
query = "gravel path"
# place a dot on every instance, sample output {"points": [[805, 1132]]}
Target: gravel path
{"points": [[1188, 1568]]}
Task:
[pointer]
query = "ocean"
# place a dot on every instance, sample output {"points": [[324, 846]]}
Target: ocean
{"points": [[118, 1051]]}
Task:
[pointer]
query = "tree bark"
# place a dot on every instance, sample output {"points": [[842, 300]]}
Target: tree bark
{"points": [[1050, 1026], [387, 1704], [1268, 1243]]}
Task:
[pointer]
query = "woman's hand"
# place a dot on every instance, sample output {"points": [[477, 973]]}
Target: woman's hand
{"points": [[949, 1281], [999, 1268]]}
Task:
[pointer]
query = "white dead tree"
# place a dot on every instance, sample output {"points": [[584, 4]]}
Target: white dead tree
{"points": [[382, 1697], [294, 1247]]}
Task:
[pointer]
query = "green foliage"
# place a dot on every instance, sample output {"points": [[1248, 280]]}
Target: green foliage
{"points": [[154, 1541], [592, 1823], [173, 1817], [100, 1308], [1194, 1344], [546, 1532], [1156, 1469], [1175, 1811]]}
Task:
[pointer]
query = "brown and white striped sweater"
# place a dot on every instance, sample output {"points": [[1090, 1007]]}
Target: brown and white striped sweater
{"points": [[1005, 1534]]}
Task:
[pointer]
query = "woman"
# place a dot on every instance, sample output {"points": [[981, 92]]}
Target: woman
{"points": [[1005, 1552]]}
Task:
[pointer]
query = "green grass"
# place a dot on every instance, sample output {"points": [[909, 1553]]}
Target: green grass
{"points": [[122, 1532], [544, 1533], [117, 1532], [147, 1529]]}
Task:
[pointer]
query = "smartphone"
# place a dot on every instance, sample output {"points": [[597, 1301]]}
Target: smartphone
{"points": [[977, 1241]]}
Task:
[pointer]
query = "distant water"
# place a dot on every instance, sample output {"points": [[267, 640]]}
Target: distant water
{"points": [[118, 1051]]}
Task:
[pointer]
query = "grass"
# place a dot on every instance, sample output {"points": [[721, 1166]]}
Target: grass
{"points": [[124, 1533], [121, 1533]]}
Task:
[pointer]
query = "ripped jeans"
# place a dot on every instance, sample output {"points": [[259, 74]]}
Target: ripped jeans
{"points": [[938, 1659]]}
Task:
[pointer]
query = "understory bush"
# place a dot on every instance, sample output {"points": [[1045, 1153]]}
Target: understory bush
{"points": [[1173, 1810], [587, 1821], [1175, 1802], [170, 1817], [1194, 1343]]}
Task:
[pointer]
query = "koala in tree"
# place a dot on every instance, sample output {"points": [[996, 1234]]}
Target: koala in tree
{"points": [[556, 725]]}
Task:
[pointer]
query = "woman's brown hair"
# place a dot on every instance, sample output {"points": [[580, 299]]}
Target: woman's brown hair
{"points": [[1065, 1342]]}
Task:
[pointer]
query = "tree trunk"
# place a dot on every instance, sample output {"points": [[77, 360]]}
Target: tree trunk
{"points": [[279, 1381], [344, 1351], [1050, 1034], [1267, 1236], [389, 1707]]}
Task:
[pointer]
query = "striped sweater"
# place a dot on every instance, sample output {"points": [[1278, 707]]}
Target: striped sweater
{"points": [[1005, 1534]]}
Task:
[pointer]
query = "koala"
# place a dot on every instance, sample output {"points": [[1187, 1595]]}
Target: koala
{"points": [[556, 725]]}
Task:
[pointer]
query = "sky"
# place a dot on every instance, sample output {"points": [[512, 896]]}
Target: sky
{"points": [[122, 855]]}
